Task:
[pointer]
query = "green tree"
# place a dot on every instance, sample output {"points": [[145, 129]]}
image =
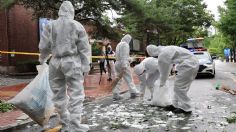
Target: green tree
{"points": [[227, 23], [174, 20], [86, 11], [217, 43]]}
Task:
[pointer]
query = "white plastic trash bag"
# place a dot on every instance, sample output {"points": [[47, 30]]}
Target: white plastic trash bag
{"points": [[161, 96], [36, 98]]}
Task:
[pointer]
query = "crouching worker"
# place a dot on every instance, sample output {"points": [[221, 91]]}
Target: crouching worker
{"points": [[148, 74], [67, 41], [187, 67]]}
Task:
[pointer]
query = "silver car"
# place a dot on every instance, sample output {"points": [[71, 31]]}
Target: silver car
{"points": [[206, 63]]}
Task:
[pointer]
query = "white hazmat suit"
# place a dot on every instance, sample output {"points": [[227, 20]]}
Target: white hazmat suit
{"points": [[123, 64], [187, 67], [67, 41], [148, 74]]}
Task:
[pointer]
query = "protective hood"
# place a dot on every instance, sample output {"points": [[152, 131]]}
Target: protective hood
{"points": [[154, 50], [127, 38], [109, 47], [66, 10]]}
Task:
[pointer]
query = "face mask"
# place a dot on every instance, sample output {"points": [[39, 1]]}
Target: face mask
{"points": [[109, 49]]}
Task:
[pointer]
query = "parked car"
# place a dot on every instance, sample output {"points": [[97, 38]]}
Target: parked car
{"points": [[206, 63]]}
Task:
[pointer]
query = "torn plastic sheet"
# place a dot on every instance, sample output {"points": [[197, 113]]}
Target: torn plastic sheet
{"points": [[185, 128]]}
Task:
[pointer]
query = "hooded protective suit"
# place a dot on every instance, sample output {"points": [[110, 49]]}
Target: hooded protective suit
{"points": [[122, 64], [148, 73], [110, 63], [67, 41], [187, 67]]}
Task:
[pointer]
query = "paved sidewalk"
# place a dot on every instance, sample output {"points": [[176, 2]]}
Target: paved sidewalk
{"points": [[92, 91]]}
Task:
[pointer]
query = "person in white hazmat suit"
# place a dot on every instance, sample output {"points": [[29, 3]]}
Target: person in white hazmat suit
{"points": [[148, 74], [187, 67], [67, 41], [122, 64]]}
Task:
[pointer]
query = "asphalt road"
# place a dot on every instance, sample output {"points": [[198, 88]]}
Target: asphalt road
{"points": [[210, 109]]}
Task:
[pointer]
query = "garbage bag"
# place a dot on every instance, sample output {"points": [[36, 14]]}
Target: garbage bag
{"points": [[161, 96], [36, 98]]}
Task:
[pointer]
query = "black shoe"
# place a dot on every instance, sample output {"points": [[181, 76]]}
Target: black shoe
{"points": [[109, 79], [117, 97], [134, 95], [179, 111], [170, 108]]}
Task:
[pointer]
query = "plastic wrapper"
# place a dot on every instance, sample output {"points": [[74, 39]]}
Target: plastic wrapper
{"points": [[36, 98], [161, 96]]}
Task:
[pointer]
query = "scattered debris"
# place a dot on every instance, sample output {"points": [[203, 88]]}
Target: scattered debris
{"points": [[228, 90], [217, 86], [208, 107], [231, 119], [170, 114], [23, 117], [185, 128], [224, 107]]}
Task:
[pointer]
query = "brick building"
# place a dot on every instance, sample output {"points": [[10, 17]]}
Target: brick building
{"points": [[18, 32]]}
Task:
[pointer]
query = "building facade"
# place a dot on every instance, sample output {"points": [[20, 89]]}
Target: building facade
{"points": [[18, 33]]}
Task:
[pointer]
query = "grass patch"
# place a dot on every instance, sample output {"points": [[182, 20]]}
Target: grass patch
{"points": [[5, 107], [232, 118]]}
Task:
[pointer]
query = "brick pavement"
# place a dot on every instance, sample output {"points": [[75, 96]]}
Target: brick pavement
{"points": [[92, 90]]}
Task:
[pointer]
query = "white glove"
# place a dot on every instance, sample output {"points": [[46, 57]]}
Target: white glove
{"points": [[85, 74], [85, 69], [42, 61]]}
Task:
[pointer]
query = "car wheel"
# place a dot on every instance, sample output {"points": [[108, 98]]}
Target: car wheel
{"points": [[213, 75]]}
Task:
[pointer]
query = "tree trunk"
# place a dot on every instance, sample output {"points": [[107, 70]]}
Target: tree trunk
{"points": [[234, 57]]}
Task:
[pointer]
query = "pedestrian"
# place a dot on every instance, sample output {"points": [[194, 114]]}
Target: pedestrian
{"points": [[148, 74], [187, 67], [67, 41], [122, 65], [102, 63], [110, 62]]}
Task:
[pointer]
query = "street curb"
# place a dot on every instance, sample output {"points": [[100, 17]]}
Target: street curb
{"points": [[20, 124]]}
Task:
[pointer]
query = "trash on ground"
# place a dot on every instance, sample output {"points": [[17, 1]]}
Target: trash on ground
{"points": [[185, 128], [170, 114], [231, 119], [228, 90], [23, 117]]}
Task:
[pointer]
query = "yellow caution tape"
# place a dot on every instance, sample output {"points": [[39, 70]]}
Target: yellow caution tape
{"points": [[19, 53], [37, 54]]}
